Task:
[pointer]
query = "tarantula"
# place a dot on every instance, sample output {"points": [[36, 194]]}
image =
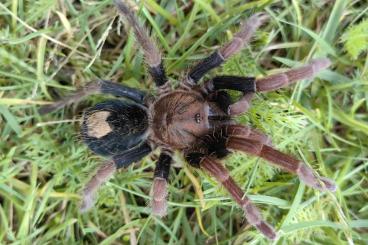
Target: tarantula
{"points": [[194, 119]]}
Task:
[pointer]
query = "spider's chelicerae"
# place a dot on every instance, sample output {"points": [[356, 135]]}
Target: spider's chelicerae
{"points": [[193, 119]]}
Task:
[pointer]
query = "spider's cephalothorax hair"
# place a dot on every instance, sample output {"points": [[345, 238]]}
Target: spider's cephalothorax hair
{"points": [[179, 118], [113, 126]]}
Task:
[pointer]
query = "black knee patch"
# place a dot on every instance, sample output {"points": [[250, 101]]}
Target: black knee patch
{"points": [[158, 74], [205, 65], [163, 166]]}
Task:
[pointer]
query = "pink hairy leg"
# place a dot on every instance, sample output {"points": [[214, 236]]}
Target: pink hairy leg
{"points": [[159, 191], [245, 132], [243, 36], [89, 89], [282, 160], [218, 57], [279, 80], [252, 214], [104, 173], [159, 197], [283, 79]]}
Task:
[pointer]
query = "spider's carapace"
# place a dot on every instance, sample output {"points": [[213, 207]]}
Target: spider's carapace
{"points": [[179, 118]]}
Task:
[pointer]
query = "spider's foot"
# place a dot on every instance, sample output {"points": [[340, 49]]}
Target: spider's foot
{"points": [[307, 176], [258, 18], [254, 218], [328, 184], [267, 230], [320, 64], [159, 209], [87, 203]]}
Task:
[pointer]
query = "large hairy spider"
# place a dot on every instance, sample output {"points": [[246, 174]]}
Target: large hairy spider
{"points": [[193, 119]]}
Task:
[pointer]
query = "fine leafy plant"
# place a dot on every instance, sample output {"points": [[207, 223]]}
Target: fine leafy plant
{"points": [[356, 39]]}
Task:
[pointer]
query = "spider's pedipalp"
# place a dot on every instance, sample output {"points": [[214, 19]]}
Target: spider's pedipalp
{"points": [[281, 160], [152, 54], [215, 86], [241, 38], [241, 105], [280, 80], [94, 87], [159, 187], [252, 214], [102, 175]]}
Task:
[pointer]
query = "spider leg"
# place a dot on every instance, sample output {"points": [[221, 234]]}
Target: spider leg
{"points": [[94, 87], [252, 213], [151, 53], [103, 174], [159, 187], [242, 105], [282, 160], [249, 133], [247, 85], [132, 155], [242, 84], [280, 80], [240, 39]]}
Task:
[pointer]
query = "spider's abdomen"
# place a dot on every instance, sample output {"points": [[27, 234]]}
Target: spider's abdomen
{"points": [[179, 118], [111, 127]]}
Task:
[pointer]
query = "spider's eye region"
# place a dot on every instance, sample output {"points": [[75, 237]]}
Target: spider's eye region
{"points": [[197, 118]]}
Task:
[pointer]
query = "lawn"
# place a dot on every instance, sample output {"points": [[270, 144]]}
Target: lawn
{"points": [[48, 48]]}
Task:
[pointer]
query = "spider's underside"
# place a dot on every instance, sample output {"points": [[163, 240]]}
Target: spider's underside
{"points": [[193, 119]]}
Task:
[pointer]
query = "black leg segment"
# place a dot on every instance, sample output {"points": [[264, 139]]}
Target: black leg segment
{"points": [[239, 41], [152, 54], [163, 166], [243, 84], [95, 87], [223, 101], [119, 90], [204, 66], [132, 155], [158, 74]]}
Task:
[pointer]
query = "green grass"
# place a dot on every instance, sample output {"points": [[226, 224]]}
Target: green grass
{"points": [[49, 47]]}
